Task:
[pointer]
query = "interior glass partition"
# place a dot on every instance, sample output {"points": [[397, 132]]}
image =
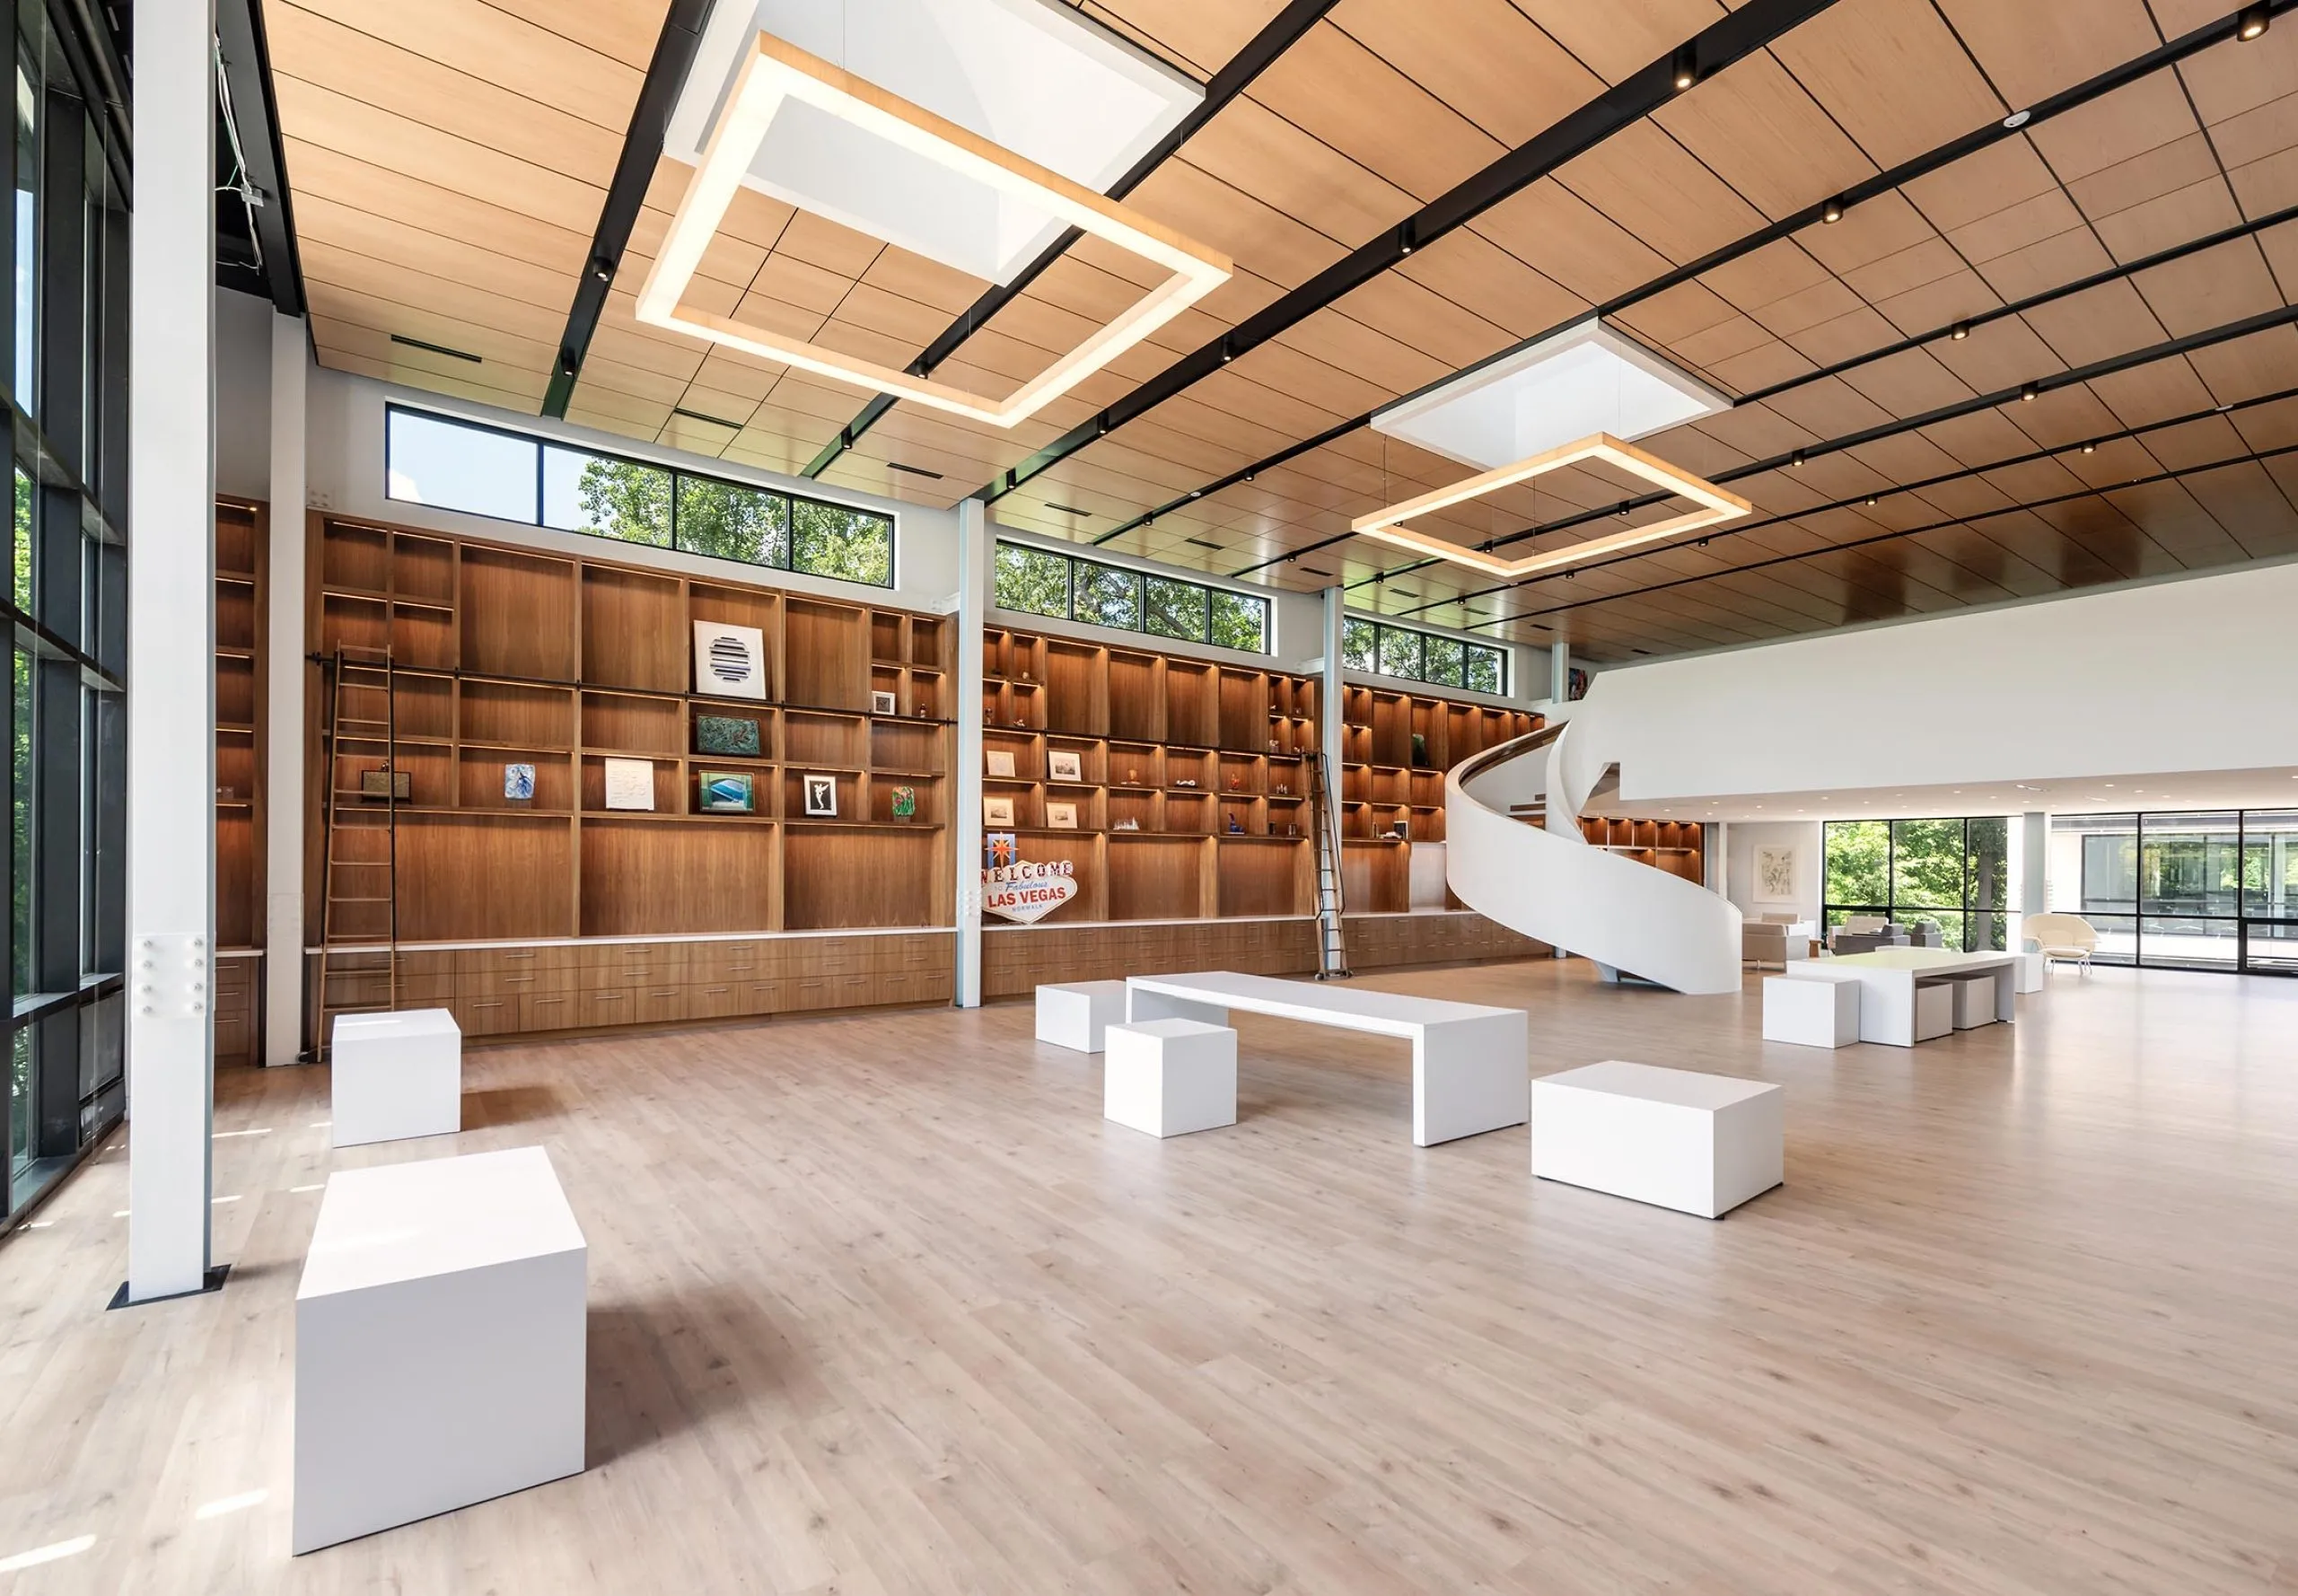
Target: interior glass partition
{"points": [[2200, 890]]}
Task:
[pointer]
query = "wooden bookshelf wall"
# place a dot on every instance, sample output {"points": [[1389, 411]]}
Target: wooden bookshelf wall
{"points": [[1676, 846], [241, 563], [506, 654], [1191, 795], [1397, 746]]}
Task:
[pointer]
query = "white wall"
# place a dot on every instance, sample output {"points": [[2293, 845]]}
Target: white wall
{"points": [[243, 395], [2159, 678], [1741, 840]]}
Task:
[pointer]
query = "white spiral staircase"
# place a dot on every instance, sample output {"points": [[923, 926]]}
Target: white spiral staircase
{"points": [[1514, 853]]}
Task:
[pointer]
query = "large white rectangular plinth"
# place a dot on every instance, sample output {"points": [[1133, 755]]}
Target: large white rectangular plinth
{"points": [[439, 1342], [2032, 969], [1075, 1013], [1169, 1078], [396, 1075], [1935, 1010], [1811, 1014], [1699, 1144], [1974, 1002], [1470, 1067]]}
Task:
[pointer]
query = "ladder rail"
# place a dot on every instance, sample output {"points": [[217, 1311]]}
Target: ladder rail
{"points": [[1332, 949], [342, 952]]}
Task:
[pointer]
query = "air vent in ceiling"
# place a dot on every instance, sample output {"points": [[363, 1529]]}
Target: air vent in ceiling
{"points": [[895, 465], [1202, 543], [1069, 509], [732, 427], [1314, 571], [437, 348]]}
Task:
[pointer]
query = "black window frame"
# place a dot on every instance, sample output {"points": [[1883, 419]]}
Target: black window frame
{"points": [[678, 477], [1963, 913], [2246, 923], [1382, 630], [1140, 580]]}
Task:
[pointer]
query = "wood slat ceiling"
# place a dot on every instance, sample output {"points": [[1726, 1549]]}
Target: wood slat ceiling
{"points": [[449, 160]]}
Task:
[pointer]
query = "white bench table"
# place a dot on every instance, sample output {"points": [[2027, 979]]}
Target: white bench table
{"points": [[1471, 1072], [1697, 1143], [439, 1342], [395, 1075], [1889, 977]]}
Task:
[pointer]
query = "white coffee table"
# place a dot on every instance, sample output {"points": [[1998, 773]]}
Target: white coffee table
{"points": [[1889, 977]]}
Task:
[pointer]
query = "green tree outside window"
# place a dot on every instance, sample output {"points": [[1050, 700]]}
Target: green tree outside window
{"points": [[1031, 581], [732, 522], [1108, 595], [836, 541], [626, 500], [1175, 609], [1240, 622]]}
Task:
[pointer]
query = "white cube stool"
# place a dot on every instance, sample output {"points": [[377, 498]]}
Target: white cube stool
{"points": [[1811, 1014], [1934, 1010], [1075, 1013], [439, 1342], [1169, 1077], [2032, 969], [1974, 1002], [1697, 1143], [396, 1075]]}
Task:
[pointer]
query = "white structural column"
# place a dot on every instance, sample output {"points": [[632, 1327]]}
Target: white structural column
{"points": [[170, 651], [1559, 670], [282, 874], [2029, 864], [1330, 699], [973, 613]]}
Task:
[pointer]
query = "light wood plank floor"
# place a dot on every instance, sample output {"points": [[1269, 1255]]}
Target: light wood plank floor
{"points": [[882, 1305]]}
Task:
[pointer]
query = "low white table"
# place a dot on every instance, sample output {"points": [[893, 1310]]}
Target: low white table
{"points": [[1699, 1144], [1074, 1014], [1169, 1078], [1889, 977], [1816, 1013], [1469, 1063], [396, 1075], [439, 1342]]}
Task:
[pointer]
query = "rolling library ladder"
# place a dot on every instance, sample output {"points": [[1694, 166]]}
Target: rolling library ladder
{"points": [[1332, 950], [359, 919]]}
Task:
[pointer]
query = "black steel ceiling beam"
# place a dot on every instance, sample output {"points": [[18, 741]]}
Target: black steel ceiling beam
{"points": [[1259, 54], [1853, 501], [2106, 83], [1738, 34], [2249, 457], [254, 112], [642, 151]]}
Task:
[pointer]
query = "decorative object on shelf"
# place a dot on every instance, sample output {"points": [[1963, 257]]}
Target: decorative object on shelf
{"points": [[883, 703], [1400, 828], [1284, 791], [821, 796], [1272, 746], [1184, 781], [728, 792], [729, 660], [921, 713], [1065, 765], [999, 762], [1419, 751], [999, 850], [1291, 830], [997, 811], [905, 803], [383, 782], [726, 735], [1026, 679], [1013, 891], [631, 784], [1133, 776], [519, 783], [1235, 782], [1575, 686], [1022, 721], [1061, 817], [1126, 824], [1236, 827], [988, 715]]}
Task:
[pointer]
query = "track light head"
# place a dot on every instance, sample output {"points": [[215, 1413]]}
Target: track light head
{"points": [[2252, 21], [2089, 449], [1960, 331], [1832, 211], [1701, 544], [1687, 68], [2030, 392], [1796, 460]]}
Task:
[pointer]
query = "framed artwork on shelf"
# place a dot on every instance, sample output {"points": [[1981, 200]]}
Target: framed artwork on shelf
{"points": [[1061, 817], [905, 803], [729, 660], [1065, 764], [997, 811], [822, 797], [999, 762], [519, 784], [631, 784], [881, 703], [732, 734], [728, 792]]}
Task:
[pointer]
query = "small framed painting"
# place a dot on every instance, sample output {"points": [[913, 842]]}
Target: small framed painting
{"points": [[1065, 764], [905, 803], [881, 703], [519, 784], [997, 811], [1061, 817], [728, 792], [726, 735], [821, 796], [999, 762]]}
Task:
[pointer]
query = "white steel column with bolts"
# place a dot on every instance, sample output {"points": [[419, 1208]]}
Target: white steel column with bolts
{"points": [[283, 871], [170, 651], [964, 823]]}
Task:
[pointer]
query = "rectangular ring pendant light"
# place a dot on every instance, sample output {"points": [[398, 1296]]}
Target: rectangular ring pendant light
{"points": [[1716, 505], [776, 72]]}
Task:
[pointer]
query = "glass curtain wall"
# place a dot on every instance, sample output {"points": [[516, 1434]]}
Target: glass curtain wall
{"points": [[2199, 889], [1955, 873], [66, 332]]}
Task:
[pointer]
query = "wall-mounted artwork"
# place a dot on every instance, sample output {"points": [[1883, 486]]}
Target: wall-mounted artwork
{"points": [[1065, 765], [728, 792], [732, 734], [821, 796], [631, 784], [1061, 817], [729, 662], [519, 784], [1776, 876], [881, 703]]}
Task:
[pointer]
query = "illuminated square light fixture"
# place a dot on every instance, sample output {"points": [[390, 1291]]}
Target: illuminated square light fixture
{"points": [[1583, 393], [951, 177]]}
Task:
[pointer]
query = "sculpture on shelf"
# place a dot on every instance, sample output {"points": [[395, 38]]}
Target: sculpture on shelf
{"points": [[1236, 827], [1235, 782], [1126, 824], [1132, 776]]}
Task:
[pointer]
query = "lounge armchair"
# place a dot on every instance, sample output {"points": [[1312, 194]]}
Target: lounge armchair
{"points": [[2061, 938], [1762, 943]]}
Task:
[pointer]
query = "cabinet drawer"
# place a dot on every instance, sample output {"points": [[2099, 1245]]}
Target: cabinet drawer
{"points": [[516, 979], [606, 1005], [714, 1000], [545, 1011], [761, 997], [514, 960], [659, 1004], [486, 1016]]}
